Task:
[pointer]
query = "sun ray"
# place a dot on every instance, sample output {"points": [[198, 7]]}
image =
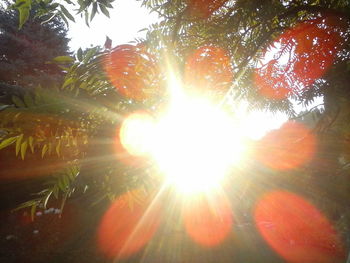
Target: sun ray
{"points": [[152, 207]]}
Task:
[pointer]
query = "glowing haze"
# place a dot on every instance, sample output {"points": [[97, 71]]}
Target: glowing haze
{"points": [[194, 143]]}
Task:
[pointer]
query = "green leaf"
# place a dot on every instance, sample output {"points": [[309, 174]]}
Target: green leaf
{"points": [[31, 143], [80, 54], [55, 191], [94, 10], [63, 17], [67, 82], [7, 142], [23, 7], [24, 147], [18, 143], [63, 59], [28, 100], [90, 54], [86, 14], [18, 102], [83, 5], [106, 3], [67, 14], [65, 181], [18, 4], [26, 204], [104, 10], [73, 172], [61, 184], [44, 150]]}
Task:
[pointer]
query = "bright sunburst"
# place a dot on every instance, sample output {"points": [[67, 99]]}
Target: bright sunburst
{"points": [[194, 143]]}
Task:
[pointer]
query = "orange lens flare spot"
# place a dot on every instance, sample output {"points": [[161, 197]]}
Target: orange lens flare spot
{"points": [[299, 57], [203, 8], [124, 229], [208, 220], [132, 71], [288, 147], [208, 71], [296, 229], [136, 133]]}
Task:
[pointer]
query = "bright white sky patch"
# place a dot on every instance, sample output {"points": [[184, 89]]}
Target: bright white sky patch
{"points": [[257, 123], [127, 18]]}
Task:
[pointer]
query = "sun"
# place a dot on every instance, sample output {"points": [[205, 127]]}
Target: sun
{"points": [[195, 145]]}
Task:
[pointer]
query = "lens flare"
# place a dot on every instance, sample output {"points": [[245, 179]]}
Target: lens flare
{"points": [[132, 71], [196, 145], [299, 56], [125, 230], [297, 230], [288, 147], [208, 72], [208, 219], [136, 133]]}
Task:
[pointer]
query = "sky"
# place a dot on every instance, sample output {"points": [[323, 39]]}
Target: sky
{"points": [[126, 18]]}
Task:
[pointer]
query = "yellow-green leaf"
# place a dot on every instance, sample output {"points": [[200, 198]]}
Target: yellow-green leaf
{"points": [[58, 147], [61, 184], [31, 143], [67, 82], [18, 143], [24, 146], [44, 150], [7, 142], [63, 59], [23, 7], [65, 180]]}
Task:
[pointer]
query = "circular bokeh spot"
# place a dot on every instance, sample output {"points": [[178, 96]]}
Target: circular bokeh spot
{"points": [[297, 230], [288, 147], [125, 229], [136, 133], [298, 57], [208, 72], [132, 71], [208, 219]]}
